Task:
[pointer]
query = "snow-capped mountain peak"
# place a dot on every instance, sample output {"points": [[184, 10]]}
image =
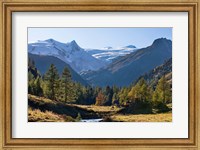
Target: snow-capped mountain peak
{"points": [[74, 46], [70, 53], [73, 42]]}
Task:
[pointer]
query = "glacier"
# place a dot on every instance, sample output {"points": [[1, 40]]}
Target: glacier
{"points": [[70, 52], [108, 54]]}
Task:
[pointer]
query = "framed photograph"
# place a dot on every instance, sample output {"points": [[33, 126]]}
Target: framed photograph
{"points": [[106, 74]]}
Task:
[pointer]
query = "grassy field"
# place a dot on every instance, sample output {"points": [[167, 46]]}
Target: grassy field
{"points": [[99, 109], [163, 117], [45, 110], [36, 115]]}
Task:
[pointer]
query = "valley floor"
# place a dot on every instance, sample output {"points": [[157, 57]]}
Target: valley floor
{"points": [[113, 115], [45, 110]]}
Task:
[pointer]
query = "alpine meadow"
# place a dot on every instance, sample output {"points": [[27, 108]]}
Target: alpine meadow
{"points": [[99, 74]]}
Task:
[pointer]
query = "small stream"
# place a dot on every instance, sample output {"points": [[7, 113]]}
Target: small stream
{"points": [[91, 120]]}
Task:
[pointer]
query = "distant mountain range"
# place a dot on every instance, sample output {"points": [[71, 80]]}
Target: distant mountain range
{"points": [[43, 63], [101, 67], [128, 68], [70, 53]]}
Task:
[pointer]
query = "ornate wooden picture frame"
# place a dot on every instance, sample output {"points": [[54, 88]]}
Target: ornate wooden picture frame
{"points": [[10, 6]]}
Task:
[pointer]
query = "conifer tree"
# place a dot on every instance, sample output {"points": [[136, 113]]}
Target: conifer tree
{"points": [[37, 87], [52, 82], [123, 95], [163, 91], [30, 76], [31, 86], [67, 88], [89, 95], [100, 99], [79, 89], [115, 98], [108, 95], [140, 91]]}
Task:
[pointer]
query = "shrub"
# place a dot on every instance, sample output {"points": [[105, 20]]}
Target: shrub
{"points": [[160, 106], [139, 107]]}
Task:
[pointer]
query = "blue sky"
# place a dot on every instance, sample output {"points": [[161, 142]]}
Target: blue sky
{"points": [[101, 37]]}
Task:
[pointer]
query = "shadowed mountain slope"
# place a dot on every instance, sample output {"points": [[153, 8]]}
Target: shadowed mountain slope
{"points": [[128, 68]]}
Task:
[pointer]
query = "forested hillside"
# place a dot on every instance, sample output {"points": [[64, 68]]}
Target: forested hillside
{"points": [[138, 98], [43, 62], [155, 74]]}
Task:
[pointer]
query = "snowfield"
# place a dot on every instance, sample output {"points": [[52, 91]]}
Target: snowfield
{"points": [[108, 54], [70, 53]]}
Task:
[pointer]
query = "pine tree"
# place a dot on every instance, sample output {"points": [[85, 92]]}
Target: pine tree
{"points": [[123, 96], [37, 87], [163, 91], [115, 99], [67, 88], [108, 95], [30, 76], [100, 99], [52, 82], [134, 93], [144, 90], [115, 89], [89, 95], [79, 89], [140, 91], [31, 86]]}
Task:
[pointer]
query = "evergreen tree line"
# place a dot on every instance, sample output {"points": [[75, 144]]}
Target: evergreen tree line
{"points": [[62, 88]]}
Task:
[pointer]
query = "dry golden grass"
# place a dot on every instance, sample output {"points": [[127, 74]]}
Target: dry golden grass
{"points": [[42, 99], [100, 109], [163, 117], [35, 115]]}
